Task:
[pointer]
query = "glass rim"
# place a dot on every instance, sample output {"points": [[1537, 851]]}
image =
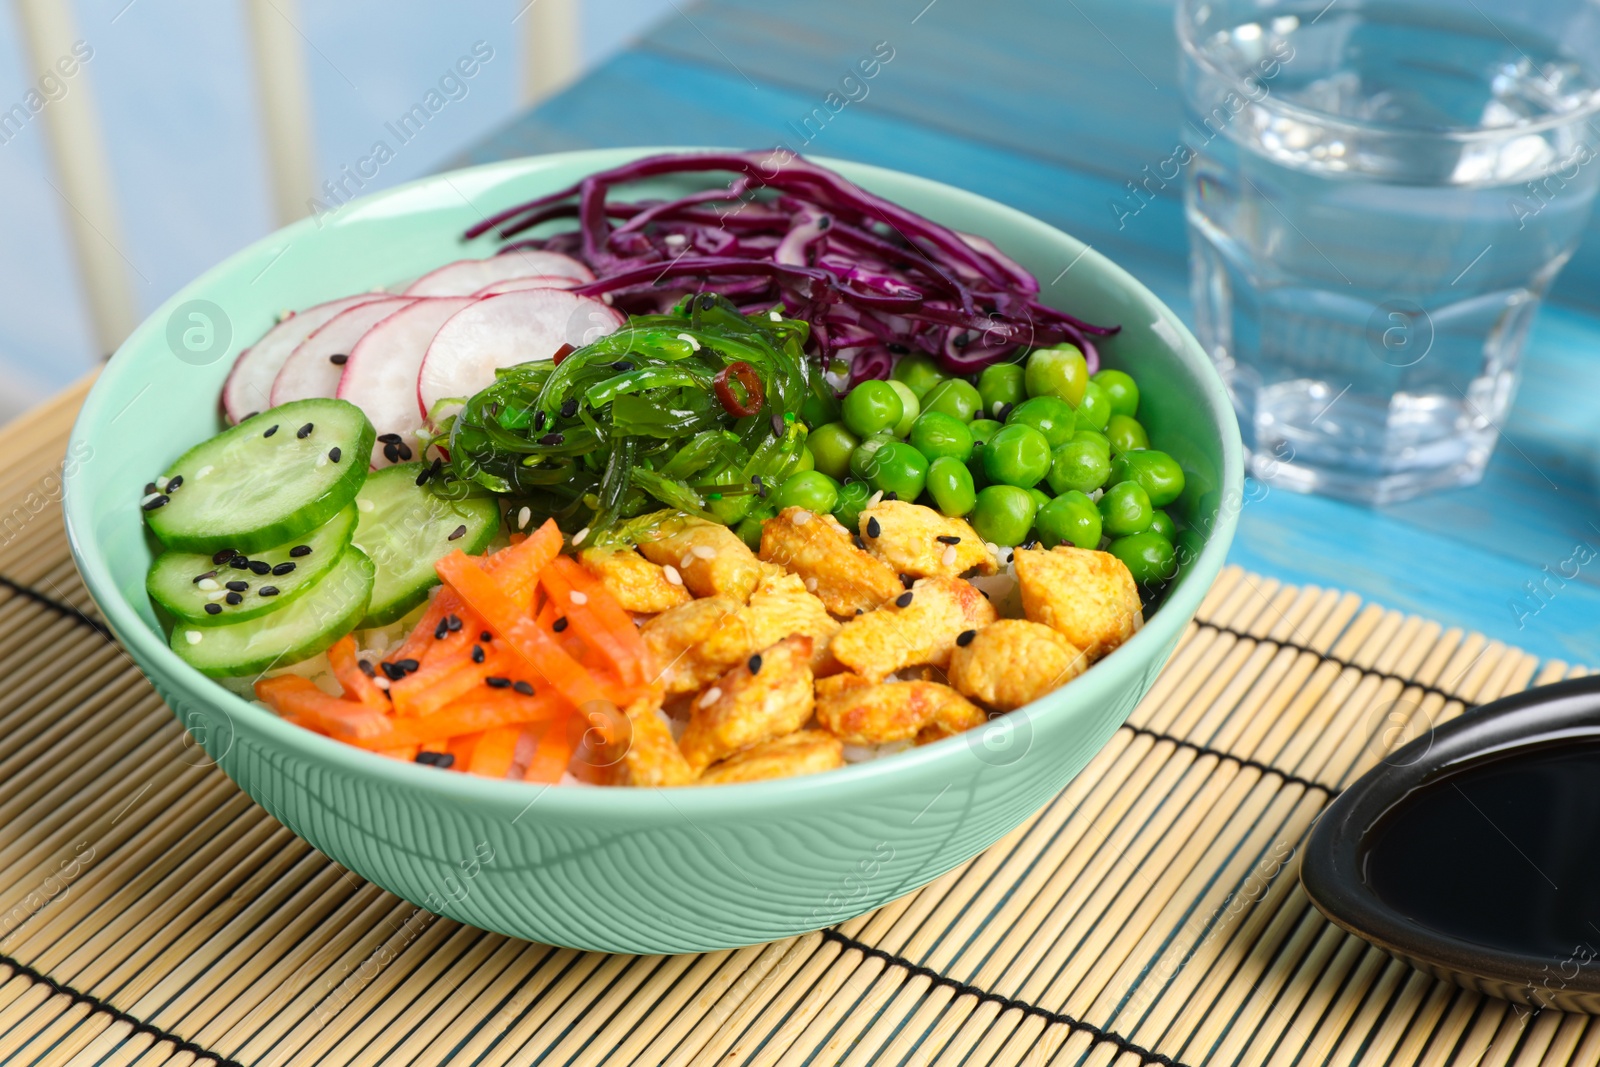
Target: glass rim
{"points": [[1188, 40]]}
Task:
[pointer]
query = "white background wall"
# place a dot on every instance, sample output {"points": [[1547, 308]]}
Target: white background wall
{"points": [[176, 97]]}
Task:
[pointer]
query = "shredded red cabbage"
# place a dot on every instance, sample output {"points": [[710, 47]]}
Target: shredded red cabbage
{"points": [[874, 280]]}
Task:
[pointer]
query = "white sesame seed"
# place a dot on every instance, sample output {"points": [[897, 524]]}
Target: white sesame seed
{"points": [[710, 696], [690, 338], [381, 682], [364, 505], [672, 575], [994, 549], [875, 499], [998, 404], [1096, 495], [704, 551], [949, 557], [203, 471], [577, 538], [801, 517], [811, 584], [216, 594], [522, 518], [687, 561], [322, 460], [146, 500], [208, 584], [675, 239], [579, 598], [774, 316], [192, 636], [161, 483]]}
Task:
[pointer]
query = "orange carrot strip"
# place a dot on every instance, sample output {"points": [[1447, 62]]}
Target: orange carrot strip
{"points": [[567, 638], [345, 719], [442, 687], [357, 686], [445, 657], [598, 618], [401, 752], [491, 756], [486, 710], [418, 641], [462, 746], [554, 751], [548, 661]]}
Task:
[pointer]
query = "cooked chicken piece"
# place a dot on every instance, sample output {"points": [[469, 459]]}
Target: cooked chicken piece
{"points": [[907, 537], [693, 644], [846, 579], [639, 585], [1012, 662], [765, 697], [1088, 597], [860, 712], [674, 638], [917, 627], [711, 558], [652, 758], [802, 752]]}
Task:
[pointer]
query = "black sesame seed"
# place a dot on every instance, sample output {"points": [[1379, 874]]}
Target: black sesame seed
{"points": [[441, 631], [391, 452], [477, 654], [874, 530], [338, 358], [391, 671], [898, 349], [260, 566], [252, 415], [442, 760], [903, 600], [408, 664], [453, 622], [754, 663], [497, 682], [552, 439], [238, 587], [149, 487], [389, 438], [755, 479], [234, 598], [305, 431], [240, 563], [175, 484], [907, 581], [300, 550], [404, 450], [622, 364], [213, 609], [366, 667], [156, 503], [1004, 413], [539, 420], [525, 688], [569, 409], [271, 430], [964, 638], [860, 612], [458, 533], [486, 636], [267, 590], [559, 625], [855, 539], [283, 568], [948, 539], [203, 577], [423, 476], [334, 454], [778, 427], [891, 495], [223, 556], [985, 593]]}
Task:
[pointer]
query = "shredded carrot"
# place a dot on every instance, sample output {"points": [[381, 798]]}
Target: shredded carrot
{"points": [[401, 752], [554, 751], [492, 754], [357, 686], [347, 720], [596, 616], [423, 694], [461, 747], [516, 569], [488, 709]]}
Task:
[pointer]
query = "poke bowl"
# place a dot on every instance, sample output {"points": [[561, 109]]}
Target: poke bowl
{"points": [[632, 805]]}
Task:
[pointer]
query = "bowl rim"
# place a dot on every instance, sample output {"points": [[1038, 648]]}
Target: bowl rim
{"points": [[858, 779]]}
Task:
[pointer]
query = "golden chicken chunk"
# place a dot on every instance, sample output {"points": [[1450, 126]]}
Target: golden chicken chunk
{"points": [[920, 542], [765, 697], [917, 627], [1012, 662], [847, 580], [639, 585], [1088, 597], [710, 558], [674, 637], [802, 752], [860, 712], [652, 758]]}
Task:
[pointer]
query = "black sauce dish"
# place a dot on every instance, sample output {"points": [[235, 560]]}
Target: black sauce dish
{"points": [[1473, 853]]}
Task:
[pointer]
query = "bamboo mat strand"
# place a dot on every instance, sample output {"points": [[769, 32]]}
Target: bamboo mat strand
{"points": [[1150, 914]]}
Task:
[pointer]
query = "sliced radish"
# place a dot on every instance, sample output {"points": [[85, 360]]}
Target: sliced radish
{"points": [[249, 385], [466, 276], [502, 331], [314, 368], [536, 281], [380, 377]]}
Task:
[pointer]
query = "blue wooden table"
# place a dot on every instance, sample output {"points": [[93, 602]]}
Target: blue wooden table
{"points": [[1056, 107]]}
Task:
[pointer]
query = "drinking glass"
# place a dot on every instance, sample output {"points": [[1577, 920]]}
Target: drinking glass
{"points": [[1378, 196]]}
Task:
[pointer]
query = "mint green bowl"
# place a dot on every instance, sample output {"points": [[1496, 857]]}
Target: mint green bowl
{"points": [[621, 870]]}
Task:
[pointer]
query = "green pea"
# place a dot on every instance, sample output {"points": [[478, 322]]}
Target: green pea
{"points": [[1149, 556], [909, 408], [1121, 390], [1001, 384], [830, 445], [1050, 415], [1078, 465], [919, 372], [808, 461], [1069, 519], [1016, 455], [983, 429], [1125, 434], [950, 486], [1040, 499], [749, 531], [819, 410], [1125, 509], [861, 458], [1161, 523], [853, 496], [1060, 371], [900, 469], [1158, 472], [1003, 514], [811, 490], [1095, 409], [936, 434], [953, 397], [870, 407], [1095, 438]]}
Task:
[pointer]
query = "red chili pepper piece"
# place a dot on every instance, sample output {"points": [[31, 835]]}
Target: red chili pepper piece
{"points": [[746, 375], [562, 353]]}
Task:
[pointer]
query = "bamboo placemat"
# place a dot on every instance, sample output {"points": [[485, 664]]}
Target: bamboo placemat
{"points": [[150, 914]]}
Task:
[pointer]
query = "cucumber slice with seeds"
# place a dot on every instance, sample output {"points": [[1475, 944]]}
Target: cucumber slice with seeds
{"points": [[328, 610], [407, 528], [265, 481], [196, 589]]}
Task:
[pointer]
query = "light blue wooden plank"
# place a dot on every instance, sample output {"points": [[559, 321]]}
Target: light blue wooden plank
{"points": [[1461, 557]]}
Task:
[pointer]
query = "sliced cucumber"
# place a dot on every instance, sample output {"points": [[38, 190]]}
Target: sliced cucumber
{"points": [[329, 610], [265, 481], [407, 528], [189, 583]]}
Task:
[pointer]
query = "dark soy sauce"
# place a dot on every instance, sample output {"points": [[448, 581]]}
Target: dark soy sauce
{"points": [[1505, 854]]}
